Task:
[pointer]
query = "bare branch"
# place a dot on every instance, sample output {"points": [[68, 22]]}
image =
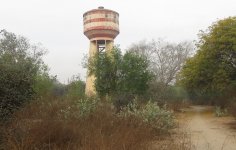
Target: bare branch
{"points": [[165, 58]]}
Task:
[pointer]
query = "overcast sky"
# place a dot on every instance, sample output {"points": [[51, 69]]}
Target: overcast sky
{"points": [[58, 24]]}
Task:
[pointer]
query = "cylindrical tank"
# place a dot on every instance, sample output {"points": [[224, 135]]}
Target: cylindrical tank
{"points": [[101, 24]]}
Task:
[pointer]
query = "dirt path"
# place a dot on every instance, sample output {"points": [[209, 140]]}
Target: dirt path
{"points": [[208, 132]]}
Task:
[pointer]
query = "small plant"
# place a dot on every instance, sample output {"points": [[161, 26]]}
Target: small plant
{"points": [[86, 106], [79, 108], [151, 113], [219, 112]]}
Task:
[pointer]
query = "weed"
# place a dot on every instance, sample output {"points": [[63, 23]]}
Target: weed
{"points": [[219, 112]]}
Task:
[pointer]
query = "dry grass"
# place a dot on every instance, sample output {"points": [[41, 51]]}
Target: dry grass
{"points": [[176, 141], [39, 126], [178, 105], [42, 126]]}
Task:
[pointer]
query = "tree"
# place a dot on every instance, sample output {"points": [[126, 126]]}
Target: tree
{"points": [[75, 88], [45, 84], [211, 73], [19, 64], [134, 74], [116, 73], [165, 60]]}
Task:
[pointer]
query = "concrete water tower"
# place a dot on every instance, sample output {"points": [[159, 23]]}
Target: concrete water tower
{"points": [[101, 26]]}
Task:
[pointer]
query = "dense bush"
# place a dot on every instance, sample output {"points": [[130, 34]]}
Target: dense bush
{"points": [[75, 89], [165, 61], [20, 63], [120, 74], [86, 124], [44, 84], [159, 118], [72, 125], [210, 75], [174, 96], [79, 108]]}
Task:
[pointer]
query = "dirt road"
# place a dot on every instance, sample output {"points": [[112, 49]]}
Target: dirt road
{"points": [[208, 132]]}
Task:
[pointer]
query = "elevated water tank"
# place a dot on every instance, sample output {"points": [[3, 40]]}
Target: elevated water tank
{"points": [[101, 24]]}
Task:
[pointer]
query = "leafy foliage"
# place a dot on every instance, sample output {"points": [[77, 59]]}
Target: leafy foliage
{"points": [[117, 73], [78, 109], [211, 73], [151, 113], [44, 83], [165, 61], [20, 63], [134, 74], [76, 88]]}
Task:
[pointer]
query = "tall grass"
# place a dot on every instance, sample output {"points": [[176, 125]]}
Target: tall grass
{"points": [[71, 125], [56, 125]]}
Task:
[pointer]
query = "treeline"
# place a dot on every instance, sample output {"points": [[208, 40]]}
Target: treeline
{"points": [[136, 92], [38, 112], [154, 70], [210, 75], [146, 71], [170, 73]]}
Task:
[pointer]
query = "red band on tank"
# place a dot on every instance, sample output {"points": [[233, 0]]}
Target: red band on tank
{"points": [[100, 20], [101, 28], [102, 35]]}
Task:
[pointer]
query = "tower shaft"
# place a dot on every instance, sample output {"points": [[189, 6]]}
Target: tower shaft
{"points": [[95, 48]]}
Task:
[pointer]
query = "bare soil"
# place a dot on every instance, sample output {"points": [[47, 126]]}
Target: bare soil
{"points": [[208, 132]]}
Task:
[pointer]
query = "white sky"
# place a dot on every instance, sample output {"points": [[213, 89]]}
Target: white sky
{"points": [[57, 24]]}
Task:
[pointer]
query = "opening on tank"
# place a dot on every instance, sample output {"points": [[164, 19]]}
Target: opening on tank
{"points": [[100, 7], [101, 45]]}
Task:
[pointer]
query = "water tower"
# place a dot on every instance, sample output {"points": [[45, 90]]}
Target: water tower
{"points": [[101, 26]]}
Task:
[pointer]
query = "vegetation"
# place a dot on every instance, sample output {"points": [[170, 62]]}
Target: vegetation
{"points": [[75, 89], [210, 75], [165, 58], [84, 124], [44, 84], [38, 112], [219, 112], [21, 64], [118, 74], [165, 61], [160, 119]]}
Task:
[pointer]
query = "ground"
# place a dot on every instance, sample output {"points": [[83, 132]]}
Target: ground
{"points": [[208, 132]]}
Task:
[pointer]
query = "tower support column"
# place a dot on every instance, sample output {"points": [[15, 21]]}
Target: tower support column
{"points": [[109, 46], [90, 88]]}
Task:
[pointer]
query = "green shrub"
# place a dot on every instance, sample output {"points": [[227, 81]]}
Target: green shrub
{"points": [[116, 73], [20, 62], [75, 88], [219, 112], [78, 108], [151, 113], [86, 106]]}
